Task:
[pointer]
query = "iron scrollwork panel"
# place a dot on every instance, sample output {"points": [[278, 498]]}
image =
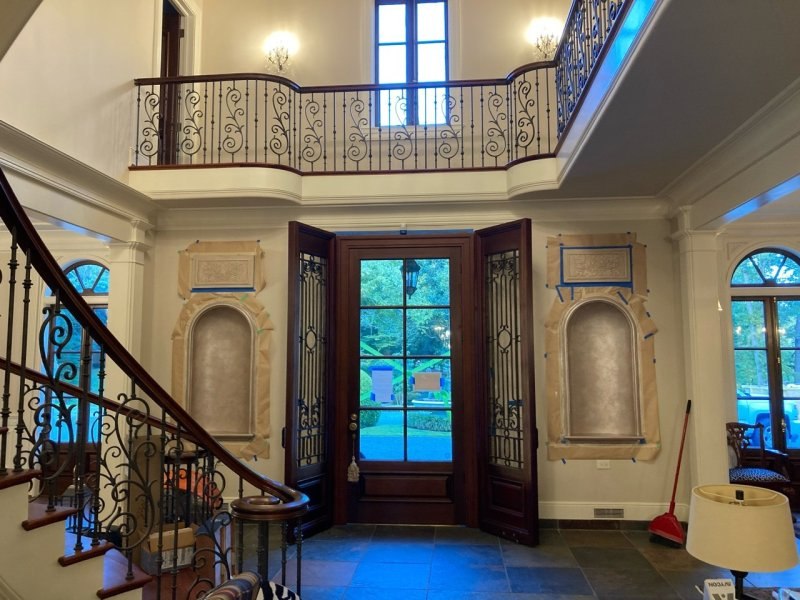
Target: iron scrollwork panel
{"points": [[504, 353], [312, 370]]}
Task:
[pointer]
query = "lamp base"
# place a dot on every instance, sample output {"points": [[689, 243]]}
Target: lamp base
{"points": [[738, 579]]}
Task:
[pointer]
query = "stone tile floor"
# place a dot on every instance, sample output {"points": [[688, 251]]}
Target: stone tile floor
{"points": [[383, 562]]}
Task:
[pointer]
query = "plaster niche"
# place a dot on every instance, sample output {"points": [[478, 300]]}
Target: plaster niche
{"points": [[220, 345], [600, 375]]}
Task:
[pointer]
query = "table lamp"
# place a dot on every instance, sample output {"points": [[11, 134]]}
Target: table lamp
{"points": [[742, 528]]}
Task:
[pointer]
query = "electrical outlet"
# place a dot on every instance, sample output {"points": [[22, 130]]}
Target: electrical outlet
{"points": [[603, 464]]}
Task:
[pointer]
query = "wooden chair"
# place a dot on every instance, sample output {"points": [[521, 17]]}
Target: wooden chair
{"points": [[761, 467]]}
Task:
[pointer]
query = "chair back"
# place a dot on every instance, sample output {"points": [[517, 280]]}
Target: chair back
{"points": [[740, 438]]}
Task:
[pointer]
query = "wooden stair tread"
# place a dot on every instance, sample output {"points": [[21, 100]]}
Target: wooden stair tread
{"points": [[115, 570], [72, 556], [38, 515], [11, 479]]}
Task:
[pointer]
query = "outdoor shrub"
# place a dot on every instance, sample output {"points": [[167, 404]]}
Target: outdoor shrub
{"points": [[369, 418], [428, 421]]}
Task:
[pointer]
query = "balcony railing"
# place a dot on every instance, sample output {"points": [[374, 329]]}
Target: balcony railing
{"points": [[256, 119]]}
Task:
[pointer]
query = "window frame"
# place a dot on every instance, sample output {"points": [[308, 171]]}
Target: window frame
{"points": [[768, 293], [411, 43]]}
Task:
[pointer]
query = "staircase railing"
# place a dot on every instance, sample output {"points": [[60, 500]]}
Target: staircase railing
{"points": [[138, 470], [265, 120]]}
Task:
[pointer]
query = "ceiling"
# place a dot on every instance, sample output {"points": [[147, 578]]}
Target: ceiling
{"points": [[699, 73]]}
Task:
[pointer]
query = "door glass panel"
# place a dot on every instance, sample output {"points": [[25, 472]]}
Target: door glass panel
{"points": [[430, 21], [405, 353], [381, 383], [750, 359], [381, 331], [429, 435], [381, 435], [428, 331], [391, 23], [789, 336], [382, 283]]}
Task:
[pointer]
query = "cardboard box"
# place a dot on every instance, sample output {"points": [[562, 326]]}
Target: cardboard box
{"points": [[176, 551]]}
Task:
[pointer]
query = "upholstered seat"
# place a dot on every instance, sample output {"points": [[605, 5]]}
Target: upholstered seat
{"points": [[761, 466], [247, 586]]}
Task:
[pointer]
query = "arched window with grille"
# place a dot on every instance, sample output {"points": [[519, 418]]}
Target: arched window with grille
{"points": [[69, 350], [765, 313]]}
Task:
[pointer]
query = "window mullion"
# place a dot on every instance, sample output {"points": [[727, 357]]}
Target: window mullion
{"points": [[774, 371]]}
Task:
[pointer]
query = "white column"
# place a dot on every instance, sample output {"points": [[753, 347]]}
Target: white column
{"points": [[703, 354], [126, 288]]}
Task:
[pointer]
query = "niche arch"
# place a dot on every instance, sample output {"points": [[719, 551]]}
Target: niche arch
{"points": [[601, 377], [221, 369]]}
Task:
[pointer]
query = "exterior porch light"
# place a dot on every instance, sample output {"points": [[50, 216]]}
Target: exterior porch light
{"points": [[410, 269]]}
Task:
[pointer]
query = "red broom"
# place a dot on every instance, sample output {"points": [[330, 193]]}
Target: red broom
{"points": [[667, 526]]}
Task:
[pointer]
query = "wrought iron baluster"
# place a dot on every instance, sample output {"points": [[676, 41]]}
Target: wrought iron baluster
{"points": [[6, 409], [20, 428]]}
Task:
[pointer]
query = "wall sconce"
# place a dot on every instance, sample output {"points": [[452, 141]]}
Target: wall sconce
{"points": [[544, 34], [278, 48], [410, 270]]}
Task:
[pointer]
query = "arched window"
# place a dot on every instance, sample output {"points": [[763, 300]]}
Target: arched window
{"points": [[91, 280], [765, 313]]}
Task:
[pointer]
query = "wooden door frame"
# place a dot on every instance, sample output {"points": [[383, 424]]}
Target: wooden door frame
{"points": [[465, 472]]}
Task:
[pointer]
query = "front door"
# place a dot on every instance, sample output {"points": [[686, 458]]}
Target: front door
{"points": [[402, 371]]}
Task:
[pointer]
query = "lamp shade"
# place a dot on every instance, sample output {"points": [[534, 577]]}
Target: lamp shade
{"points": [[749, 533]]}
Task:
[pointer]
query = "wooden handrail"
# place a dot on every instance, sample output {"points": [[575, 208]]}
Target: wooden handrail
{"points": [[31, 244]]}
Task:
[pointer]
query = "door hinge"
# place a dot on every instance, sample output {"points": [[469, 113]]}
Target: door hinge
{"points": [[283, 437]]}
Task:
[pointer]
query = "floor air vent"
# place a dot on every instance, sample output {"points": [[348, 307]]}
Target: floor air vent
{"points": [[609, 513]]}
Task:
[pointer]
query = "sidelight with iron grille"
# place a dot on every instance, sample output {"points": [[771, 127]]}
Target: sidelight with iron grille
{"points": [[503, 352], [312, 367]]}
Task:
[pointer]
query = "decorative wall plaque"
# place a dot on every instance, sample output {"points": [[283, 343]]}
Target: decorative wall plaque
{"points": [[596, 266], [223, 267]]}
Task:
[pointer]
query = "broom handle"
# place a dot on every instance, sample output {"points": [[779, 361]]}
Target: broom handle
{"points": [[680, 455]]}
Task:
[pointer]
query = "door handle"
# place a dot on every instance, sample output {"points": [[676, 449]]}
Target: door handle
{"points": [[353, 426]]}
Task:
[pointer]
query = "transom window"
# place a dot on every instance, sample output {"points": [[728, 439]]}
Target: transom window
{"points": [[766, 345], [411, 47]]}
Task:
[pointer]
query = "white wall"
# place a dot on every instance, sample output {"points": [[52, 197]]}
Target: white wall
{"points": [[67, 78], [568, 490]]}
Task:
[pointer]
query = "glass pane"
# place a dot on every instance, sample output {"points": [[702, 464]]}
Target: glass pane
{"points": [[777, 267], [751, 374], [381, 435], [429, 383], [749, 329], [381, 331], [392, 64], [788, 323], [428, 331], [381, 383], [433, 107], [391, 23], [101, 287], [88, 274], [774, 267], [393, 108], [433, 283], [430, 435], [431, 62], [73, 278], [381, 283], [430, 21], [791, 414]]}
